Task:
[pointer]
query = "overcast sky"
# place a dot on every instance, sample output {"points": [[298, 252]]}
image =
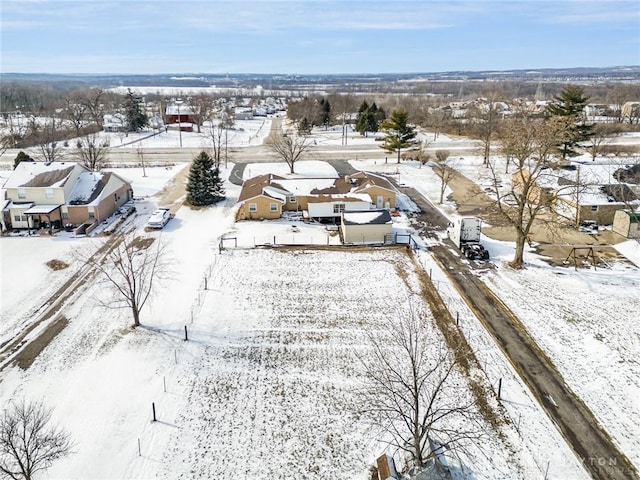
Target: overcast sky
{"points": [[315, 36]]}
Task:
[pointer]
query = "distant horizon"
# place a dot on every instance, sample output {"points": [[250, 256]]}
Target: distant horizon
{"points": [[196, 74], [295, 37]]}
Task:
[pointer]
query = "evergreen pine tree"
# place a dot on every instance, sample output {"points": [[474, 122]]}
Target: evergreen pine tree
{"points": [[398, 133], [326, 112], [570, 105], [204, 185], [304, 127], [21, 157], [136, 118], [361, 119]]}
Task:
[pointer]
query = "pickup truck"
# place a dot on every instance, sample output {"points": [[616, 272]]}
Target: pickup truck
{"points": [[159, 218]]}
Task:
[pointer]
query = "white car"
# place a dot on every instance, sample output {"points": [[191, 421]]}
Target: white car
{"points": [[159, 218]]}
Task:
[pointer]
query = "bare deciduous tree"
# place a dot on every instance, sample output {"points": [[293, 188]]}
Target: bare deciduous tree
{"points": [[203, 107], [133, 267], [531, 146], [290, 148], [413, 391], [75, 109], [29, 442], [93, 151], [218, 135], [93, 100], [444, 170], [47, 134]]}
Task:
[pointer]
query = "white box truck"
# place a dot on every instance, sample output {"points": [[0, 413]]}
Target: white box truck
{"points": [[465, 234]]}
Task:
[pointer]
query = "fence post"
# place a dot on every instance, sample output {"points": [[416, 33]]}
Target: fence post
{"points": [[153, 407], [186, 335], [164, 382], [499, 388], [139, 450]]}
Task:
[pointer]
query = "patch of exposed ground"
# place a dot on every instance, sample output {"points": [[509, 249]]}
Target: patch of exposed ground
{"points": [[30, 352], [57, 264]]}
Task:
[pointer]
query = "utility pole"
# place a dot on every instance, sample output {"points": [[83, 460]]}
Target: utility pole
{"points": [[178, 102]]}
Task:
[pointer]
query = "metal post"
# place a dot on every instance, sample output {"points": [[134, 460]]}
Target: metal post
{"points": [[153, 407], [186, 336], [205, 282], [139, 450], [164, 382], [457, 318], [499, 389]]}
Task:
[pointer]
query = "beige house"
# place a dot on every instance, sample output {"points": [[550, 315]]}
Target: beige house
{"points": [[321, 198], [55, 194], [367, 226], [627, 223]]}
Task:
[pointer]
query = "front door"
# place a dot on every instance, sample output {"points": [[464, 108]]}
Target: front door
{"points": [[380, 201]]}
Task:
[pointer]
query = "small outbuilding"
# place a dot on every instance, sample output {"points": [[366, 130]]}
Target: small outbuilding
{"points": [[366, 226], [627, 223]]}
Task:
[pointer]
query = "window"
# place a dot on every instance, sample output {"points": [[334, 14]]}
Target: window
{"points": [[17, 218], [292, 199], [48, 193], [92, 215], [22, 193], [65, 215], [253, 207], [594, 208], [273, 207], [24, 218], [338, 207]]}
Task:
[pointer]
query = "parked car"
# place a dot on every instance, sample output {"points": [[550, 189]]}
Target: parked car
{"points": [[159, 218]]}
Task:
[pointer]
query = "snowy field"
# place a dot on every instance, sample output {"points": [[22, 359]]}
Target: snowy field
{"points": [[271, 344]]}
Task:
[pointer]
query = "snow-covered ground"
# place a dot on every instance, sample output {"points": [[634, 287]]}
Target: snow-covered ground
{"points": [[259, 389]]}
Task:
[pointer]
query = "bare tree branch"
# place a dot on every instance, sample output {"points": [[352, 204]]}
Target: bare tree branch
{"points": [[29, 442], [290, 148], [134, 267]]}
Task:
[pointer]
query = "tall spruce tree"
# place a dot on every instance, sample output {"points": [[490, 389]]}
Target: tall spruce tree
{"points": [[569, 105], [204, 185], [398, 133], [136, 118]]}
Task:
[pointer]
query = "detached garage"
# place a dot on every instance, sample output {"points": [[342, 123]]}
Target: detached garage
{"points": [[366, 226]]}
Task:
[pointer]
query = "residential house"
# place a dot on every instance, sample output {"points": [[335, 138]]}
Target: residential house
{"points": [[182, 115], [55, 194], [267, 196], [366, 226], [116, 122]]}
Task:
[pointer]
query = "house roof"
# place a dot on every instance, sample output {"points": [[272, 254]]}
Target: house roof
{"points": [[252, 187], [41, 209], [339, 197], [41, 174], [316, 190], [89, 187], [367, 217]]}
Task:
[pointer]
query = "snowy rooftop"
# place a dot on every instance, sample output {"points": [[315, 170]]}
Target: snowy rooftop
{"points": [[304, 186], [40, 174], [367, 217], [85, 186]]}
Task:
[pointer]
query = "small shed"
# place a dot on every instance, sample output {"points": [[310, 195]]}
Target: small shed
{"points": [[366, 226], [627, 223]]}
